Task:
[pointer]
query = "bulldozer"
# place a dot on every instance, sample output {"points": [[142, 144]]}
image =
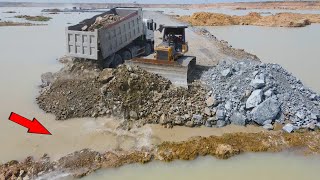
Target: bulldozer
{"points": [[169, 59]]}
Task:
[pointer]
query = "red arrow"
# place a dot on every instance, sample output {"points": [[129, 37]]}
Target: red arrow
{"points": [[33, 126]]}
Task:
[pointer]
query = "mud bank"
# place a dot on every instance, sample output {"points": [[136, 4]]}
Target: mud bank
{"points": [[34, 18], [10, 23], [277, 20], [84, 162]]}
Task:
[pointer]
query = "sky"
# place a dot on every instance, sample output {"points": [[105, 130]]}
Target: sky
{"points": [[130, 1]]}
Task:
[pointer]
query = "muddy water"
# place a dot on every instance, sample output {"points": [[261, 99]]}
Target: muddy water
{"points": [[26, 53], [297, 49], [245, 167]]}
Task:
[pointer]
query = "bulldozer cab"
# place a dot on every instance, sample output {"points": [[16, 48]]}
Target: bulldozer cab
{"points": [[170, 60], [174, 36]]}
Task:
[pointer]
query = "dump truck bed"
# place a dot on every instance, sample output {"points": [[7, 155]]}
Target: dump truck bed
{"points": [[103, 42]]}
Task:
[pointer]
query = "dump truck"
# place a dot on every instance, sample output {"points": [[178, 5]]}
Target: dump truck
{"points": [[170, 60], [112, 37]]}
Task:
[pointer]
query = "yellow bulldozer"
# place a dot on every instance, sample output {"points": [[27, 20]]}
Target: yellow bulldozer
{"points": [[169, 59]]}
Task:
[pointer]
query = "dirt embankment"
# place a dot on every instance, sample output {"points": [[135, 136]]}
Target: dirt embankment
{"points": [[10, 23], [84, 162], [34, 18], [253, 18], [289, 5], [82, 89]]}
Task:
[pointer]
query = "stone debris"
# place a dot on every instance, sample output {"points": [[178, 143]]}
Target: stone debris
{"points": [[267, 110], [268, 127], [83, 89], [262, 94], [288, 128], [238, 119], [102, 22], [254, 99]]}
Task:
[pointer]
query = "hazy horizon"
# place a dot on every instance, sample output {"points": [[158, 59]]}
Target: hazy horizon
{"points": [[137, 1]]}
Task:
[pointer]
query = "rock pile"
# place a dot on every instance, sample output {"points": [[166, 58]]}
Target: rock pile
{"points": [[102, 22], [142, 97], [72, 91], [83, 90], [249, 92], [241, 93]]}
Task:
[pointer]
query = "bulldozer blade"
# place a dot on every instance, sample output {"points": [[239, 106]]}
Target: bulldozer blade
{"points": [[177, 72]]}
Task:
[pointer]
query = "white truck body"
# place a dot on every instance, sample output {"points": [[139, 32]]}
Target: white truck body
{"points": [[130, 33]]}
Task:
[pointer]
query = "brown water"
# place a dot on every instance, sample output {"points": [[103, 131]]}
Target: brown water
{"points": [[27, 52], [296, 49], [263, 166]]}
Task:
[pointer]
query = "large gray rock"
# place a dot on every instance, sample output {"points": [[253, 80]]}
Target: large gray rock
{"points": [[197, 119], [221, 123], [268, 93], [268, 110], [254, 99], [267, 122], [289, 128], [314, 116], [221, 113], [238, 119], [268, 127], [257, 83], [226, 72], [228, 105], [301, 115]]}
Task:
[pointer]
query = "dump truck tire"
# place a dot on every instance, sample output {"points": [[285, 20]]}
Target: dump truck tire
{"points": [[148, 49], [126, 55], [117, 60]]}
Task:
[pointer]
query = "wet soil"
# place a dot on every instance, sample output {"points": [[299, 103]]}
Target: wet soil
{"points": [[253, 18], [10, 23], [84, 162]]}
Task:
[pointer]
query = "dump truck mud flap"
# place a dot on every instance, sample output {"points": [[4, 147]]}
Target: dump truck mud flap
{"points": [[177, 72]]}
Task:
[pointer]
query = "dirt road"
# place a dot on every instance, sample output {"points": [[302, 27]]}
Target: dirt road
{"points": [[208, 50]]}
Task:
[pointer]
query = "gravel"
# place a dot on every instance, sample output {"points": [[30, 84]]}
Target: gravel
{"points": [[257, 93], [240, 93]]}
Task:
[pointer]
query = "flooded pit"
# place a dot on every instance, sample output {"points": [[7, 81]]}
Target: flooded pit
{"points": [[296, 49], [263, 166], [27, 52]]}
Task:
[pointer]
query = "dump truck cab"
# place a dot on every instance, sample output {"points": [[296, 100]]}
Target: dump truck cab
{"points": [[173, 44]]}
